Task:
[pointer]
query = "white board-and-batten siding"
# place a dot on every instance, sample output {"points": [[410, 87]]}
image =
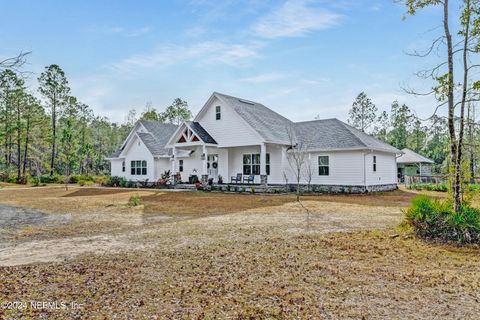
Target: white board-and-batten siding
{"points": [[231, 130]]}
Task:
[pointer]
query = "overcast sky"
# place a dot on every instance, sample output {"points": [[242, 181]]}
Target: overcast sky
{"points": [[300, 58]]}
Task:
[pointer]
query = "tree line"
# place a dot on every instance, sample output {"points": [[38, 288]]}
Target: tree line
{"points": [[48, 131], [401, 128]]}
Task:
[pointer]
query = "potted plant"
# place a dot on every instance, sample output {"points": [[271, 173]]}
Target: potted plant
{"points": [[198, 185], [220, 179]]}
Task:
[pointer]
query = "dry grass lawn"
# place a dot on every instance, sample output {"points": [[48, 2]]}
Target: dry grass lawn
{"points": [[231, 256]]}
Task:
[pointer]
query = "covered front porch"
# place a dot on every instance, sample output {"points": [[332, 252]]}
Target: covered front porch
{"points": [[229, 165], [196, 154]]}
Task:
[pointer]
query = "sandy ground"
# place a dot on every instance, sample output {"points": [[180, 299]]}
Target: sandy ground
{"points": [[311, 216], [244, 257]]}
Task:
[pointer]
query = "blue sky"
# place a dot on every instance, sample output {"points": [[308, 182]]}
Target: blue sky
{"points": [[301, 58]]}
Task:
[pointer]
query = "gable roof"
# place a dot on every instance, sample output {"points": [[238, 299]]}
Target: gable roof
{"points": [[410, 156], [328, 134], [154, 139], [270, 125], [333, 134], [201, 132], [157, 136]]}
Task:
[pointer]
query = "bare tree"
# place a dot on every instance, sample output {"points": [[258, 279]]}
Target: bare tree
{"points": [[14, 63], [443, 73], [308, 171], [296, 156]]}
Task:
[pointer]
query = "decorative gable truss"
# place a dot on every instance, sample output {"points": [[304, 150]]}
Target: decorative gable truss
{"points": [[188, 136]]}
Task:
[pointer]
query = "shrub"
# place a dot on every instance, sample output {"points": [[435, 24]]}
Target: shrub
{"points": [[81, 183], [252, 189], [35, 181], [134, 201], [435, 219], [122, 182], [429, 186], [89, 183]]}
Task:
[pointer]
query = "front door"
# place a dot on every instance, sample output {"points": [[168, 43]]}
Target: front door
{"points": [[212, 166]]}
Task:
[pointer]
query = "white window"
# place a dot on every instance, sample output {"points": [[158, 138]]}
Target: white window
{"points": [[138, 167], [374, 163], [180, 165], [123, 166], [323, 166], [218, 112]]}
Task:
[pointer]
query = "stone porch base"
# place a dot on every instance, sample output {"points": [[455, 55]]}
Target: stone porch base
{"points": [[250, 188]]}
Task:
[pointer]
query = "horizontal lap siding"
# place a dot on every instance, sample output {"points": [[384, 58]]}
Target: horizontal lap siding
{"points": [[116, 168], [138, 151], [386, 169], [162, 165], [345, 168], [230, 130]]}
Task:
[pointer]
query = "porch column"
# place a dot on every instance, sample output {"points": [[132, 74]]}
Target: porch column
{"points": [[204, 165], [174, 165], [263, 164]]}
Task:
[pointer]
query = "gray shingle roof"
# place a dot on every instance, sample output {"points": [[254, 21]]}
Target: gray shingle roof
{"points": [[116, 154], [201, 132], [410, 156], [270, 125], [155, 139], [333, 134], [329, 134], [157, 136]]}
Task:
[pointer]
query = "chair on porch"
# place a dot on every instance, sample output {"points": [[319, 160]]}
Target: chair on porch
{"points": [[249, 179], [237, 178]]}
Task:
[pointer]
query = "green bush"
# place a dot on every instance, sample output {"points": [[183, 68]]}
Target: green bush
{"points": [[134, 201], [101, 180], [81, 183], [46, 178], [435, 219], [429, 187]]}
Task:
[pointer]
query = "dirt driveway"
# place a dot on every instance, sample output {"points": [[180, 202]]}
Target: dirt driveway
{"points": [[99, 222], [207, 255]]}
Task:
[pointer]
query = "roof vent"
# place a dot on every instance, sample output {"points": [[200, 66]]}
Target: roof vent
{"points": [[246, 102]]}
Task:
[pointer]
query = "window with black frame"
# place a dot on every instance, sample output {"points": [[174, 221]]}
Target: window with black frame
{"points": [[138, 167], [323, 166], [251, 164]]}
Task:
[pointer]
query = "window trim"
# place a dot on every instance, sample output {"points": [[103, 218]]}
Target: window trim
{"points": [[138, 167], [254, 164], [323, 166], [374, 164], [218, 112], [180, 165], [123, 166]]}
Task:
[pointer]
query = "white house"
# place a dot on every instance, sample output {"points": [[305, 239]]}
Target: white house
{"points": [[232, 136]]}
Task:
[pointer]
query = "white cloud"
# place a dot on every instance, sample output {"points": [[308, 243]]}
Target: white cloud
{"points": [[266, 77], [204, 52], [293, 19]]}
